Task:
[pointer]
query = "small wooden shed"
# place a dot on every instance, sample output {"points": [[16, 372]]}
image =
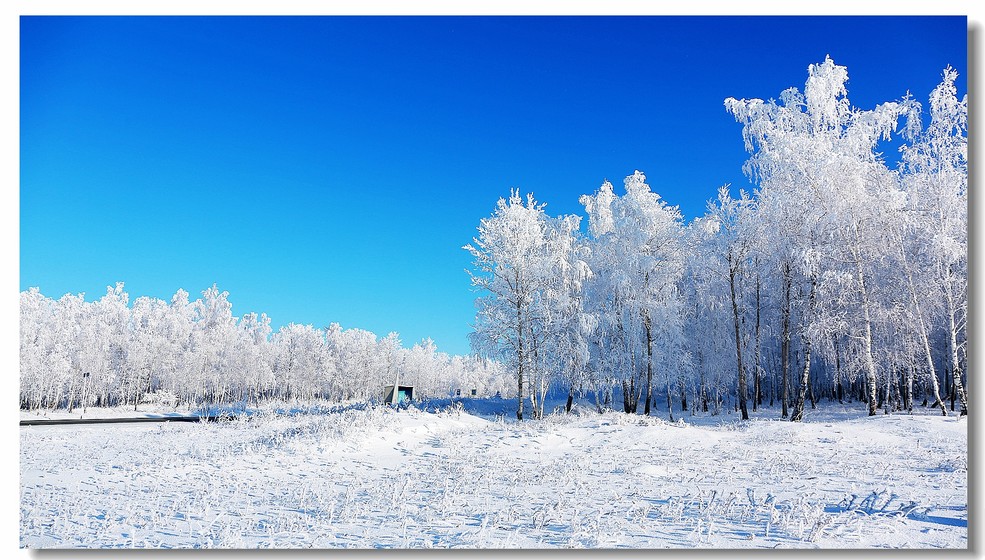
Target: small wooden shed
{"points": [[403, 393]]}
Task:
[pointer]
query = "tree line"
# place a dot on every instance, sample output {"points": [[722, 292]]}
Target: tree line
{"points": [[75, 354], [839, 276]]}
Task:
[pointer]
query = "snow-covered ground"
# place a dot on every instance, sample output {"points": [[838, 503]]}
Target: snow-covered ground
{"points": [[467, 475]]}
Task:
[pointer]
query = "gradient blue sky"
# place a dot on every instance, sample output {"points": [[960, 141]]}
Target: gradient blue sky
{"points": [[329, 169]]}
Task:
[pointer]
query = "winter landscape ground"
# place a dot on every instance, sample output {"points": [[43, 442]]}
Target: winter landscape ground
{"points": [[465, 474]]}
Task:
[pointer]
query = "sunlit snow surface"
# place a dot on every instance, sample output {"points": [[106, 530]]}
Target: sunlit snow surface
{"points": [[448, 476]]}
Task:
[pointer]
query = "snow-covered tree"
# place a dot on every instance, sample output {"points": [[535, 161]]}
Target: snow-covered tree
{"points": [[817, 145], [637, 262], [252, 355], [728, 256], [107, 353], [935, 179], [511, 266]]}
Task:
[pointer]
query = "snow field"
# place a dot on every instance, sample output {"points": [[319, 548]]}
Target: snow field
{"points": [[373, 477]]}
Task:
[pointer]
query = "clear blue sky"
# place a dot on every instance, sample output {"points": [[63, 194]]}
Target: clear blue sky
{"points": [[329, 169]]}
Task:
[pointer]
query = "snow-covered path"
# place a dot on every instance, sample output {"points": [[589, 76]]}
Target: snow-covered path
{"points": [[375, 477]]}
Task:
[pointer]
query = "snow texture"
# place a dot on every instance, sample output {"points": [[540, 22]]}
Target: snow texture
{"points": [[464, 474]]}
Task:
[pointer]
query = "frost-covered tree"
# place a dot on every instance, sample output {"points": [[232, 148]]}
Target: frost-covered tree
{"points": [[36, 320], [821, 147], [114, 338], [300, 368], [511, 265], [108, 353], [562, 355], [728, 254], [567, 315], [362, 370], [705, 315], [637, 261], [252, 354], [935, 179], [421, 367], [153, 354], [215, 329]]}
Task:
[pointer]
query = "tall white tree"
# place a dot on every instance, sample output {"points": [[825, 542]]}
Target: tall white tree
{"points": [[252, 356], [511, 264], [820, 146], [213, 334], [935, 178], [729, 256], [637, 241]]}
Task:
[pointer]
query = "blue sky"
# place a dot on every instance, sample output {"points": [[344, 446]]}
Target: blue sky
{"points": [[329, 169]]}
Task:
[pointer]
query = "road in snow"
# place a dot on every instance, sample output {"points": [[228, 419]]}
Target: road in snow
{"points": [[375, 477]]}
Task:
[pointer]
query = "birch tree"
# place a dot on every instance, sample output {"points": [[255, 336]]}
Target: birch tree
{"points": [[510, 271], [842, 172], [637, 241], [935, 178]]}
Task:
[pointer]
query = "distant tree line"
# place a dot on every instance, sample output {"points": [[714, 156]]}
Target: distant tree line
{"points": [[838, 277], [75, 353]]}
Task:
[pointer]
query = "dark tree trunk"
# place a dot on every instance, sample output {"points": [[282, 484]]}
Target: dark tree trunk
{"points": [[649, 362], [680, 384], [757, 393], [785, 344], [733, 267], [670, 406], [521, 358], [630, 397]]}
